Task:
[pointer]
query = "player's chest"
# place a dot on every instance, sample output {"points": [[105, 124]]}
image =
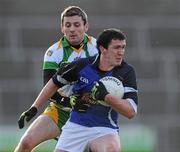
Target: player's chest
{"points": [[76, 55]]}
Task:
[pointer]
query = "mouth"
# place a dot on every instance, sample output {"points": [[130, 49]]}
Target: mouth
{"points": [[72, 36], [118, 59]]}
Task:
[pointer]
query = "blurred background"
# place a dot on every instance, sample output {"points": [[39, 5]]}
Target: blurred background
{"points": [[28, 28]]}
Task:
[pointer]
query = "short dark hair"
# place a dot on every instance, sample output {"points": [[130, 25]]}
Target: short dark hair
{"points": [[108, 35], [73, 11]]}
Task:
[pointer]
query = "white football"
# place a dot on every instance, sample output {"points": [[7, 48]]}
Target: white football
{"points": [[114, 86]]}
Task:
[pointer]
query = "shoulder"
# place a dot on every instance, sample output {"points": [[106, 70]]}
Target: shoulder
{"points": [[55, 48], [84, 61], [92, 40], [92, 46], [53, 56], [124, 70], [54, 53], [127, 66]]}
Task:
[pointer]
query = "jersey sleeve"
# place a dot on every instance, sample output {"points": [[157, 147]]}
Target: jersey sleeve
{"points": [[130, 87], [52, 58], [47, 75], [66, 74]]}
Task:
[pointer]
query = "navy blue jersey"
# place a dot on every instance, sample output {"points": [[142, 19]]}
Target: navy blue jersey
{"points": [[84, 73]]}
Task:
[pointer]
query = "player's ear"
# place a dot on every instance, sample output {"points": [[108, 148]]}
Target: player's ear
{"points": [[86, 27], [102, 49], [62, 28]]}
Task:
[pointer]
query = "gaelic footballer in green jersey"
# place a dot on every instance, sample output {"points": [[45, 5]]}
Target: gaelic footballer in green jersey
{"points": [[58, 53]]}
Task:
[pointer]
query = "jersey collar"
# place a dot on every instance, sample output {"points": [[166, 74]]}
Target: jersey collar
{"points": [[96, 61], [64, 42]]}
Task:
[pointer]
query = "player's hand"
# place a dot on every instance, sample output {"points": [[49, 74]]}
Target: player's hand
{"points": [[65, 102], [99, 91], [78, 104], [27, 115]]}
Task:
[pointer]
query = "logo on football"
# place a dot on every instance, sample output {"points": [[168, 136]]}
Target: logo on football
{"points": [[114, 86]]}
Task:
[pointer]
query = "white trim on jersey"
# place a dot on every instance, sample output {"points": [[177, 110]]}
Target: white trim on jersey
{"points": [[134, 105], [110, 118], [129, 89], [61, 80]]}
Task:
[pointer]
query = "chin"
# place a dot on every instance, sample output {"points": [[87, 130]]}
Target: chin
{"points": [[73, 43], [118, 63]]}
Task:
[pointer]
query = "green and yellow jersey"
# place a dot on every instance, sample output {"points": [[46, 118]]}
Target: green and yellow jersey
{"points": [[62, 51], [58, 53]]}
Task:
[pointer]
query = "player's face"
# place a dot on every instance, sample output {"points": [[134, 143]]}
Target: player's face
{"points": [[74, 29], [115, 52]]}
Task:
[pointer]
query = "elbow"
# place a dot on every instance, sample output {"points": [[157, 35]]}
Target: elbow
{"points": [[131, 114], [132, 110]]}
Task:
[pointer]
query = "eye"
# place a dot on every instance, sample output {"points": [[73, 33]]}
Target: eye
{"points": [[123, 46], [77, 24], [67, 24]]}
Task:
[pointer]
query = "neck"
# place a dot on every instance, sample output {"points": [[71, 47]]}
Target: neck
{"points": [[104, 64]]}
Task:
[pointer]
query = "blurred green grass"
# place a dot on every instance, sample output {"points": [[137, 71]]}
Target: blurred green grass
{"points": [[133, 139]]}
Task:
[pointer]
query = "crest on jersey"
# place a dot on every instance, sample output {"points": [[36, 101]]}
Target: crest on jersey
{"points": [[49, 53]]}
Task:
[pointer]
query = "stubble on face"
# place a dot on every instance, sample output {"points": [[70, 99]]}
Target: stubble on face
{"points": [[74, 29]]}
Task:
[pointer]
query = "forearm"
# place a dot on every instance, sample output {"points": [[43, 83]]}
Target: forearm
{"points": [[49, 89], [122, 106]]}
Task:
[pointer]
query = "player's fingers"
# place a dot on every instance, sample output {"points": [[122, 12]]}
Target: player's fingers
{"points": [[83, 108], [28, 118], [21, 121], [86, 105], [97, 83]]}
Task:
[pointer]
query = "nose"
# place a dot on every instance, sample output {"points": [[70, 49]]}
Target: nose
{"points": [[121, 51], [72, 28]]}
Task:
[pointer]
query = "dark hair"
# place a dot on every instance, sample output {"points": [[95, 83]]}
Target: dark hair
{"points": [[108, 35], [73, 11]]}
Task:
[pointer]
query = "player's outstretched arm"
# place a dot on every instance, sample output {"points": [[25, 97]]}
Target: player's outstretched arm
{"points": [[49, 89], [26, 115]]}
